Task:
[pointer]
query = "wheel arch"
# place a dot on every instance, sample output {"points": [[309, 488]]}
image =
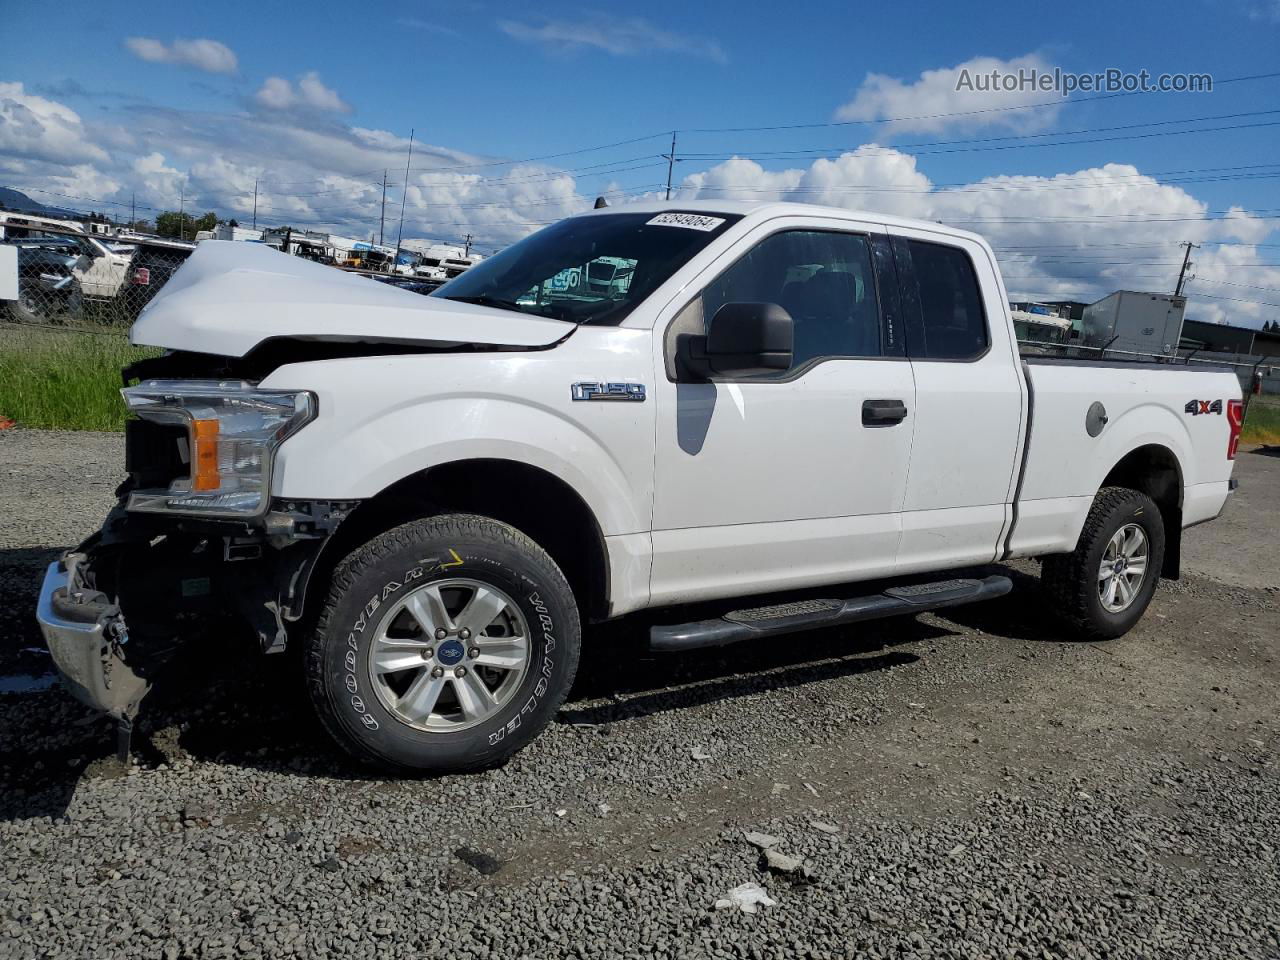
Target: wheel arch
{"points": [[1154, 469], [535, 501]]}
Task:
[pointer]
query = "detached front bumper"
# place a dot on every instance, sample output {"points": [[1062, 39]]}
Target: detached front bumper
{"points": [[85, 634]]}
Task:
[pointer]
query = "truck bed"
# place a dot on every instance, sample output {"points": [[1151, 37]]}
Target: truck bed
{"points": [[1144, 404]]}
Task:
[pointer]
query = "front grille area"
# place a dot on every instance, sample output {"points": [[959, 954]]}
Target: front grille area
{"points": [[155, 453]]}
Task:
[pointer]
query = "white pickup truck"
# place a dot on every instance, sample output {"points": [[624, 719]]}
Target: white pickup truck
{"points": [[748, 411]]}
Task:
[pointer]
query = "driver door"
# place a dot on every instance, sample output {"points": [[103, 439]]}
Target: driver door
{"points": [[792, 480]]}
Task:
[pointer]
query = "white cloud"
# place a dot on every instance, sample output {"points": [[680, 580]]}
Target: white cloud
{"points": [[618, 36], [203, 54], [933, 103], [41, 129], [164, 183], [1079, 234], [277, 93], [1076, 235]]}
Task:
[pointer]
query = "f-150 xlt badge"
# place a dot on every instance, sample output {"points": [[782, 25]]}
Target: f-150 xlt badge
{"points": [[1197, 407], [597, 390]]}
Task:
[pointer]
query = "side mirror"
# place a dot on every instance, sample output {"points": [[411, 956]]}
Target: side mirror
{"points": [[748, 338]]}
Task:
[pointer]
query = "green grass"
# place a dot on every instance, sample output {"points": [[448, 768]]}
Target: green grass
{"points": [[61, 380], [1262, 422]]}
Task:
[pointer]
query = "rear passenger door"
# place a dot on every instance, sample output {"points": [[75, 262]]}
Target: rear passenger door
{"points": [[969, 398]]}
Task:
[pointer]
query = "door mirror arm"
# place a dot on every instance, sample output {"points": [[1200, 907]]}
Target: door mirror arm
{"points": [[692, 365]]}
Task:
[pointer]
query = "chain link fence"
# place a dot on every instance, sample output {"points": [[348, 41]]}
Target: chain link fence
{"points": [[75, 279]]}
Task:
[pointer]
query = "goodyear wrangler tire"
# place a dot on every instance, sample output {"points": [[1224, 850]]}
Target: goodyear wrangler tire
{"points": [[1103, 587], [444, 645]]}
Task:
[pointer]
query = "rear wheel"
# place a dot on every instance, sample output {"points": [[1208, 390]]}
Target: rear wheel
{"points": [[1103, 587], [445, 644]]}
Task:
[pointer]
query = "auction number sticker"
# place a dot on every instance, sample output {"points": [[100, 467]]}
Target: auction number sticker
{"points": [[690, 221]]}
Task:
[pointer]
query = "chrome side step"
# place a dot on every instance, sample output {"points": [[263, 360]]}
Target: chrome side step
{"points": [[811, 614]]}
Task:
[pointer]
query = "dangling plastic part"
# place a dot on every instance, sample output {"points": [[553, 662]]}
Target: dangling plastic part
{"points": [[124, 738]]}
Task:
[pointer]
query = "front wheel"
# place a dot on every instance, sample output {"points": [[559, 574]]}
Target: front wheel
{"points": [[445, 645], [1103, 587], [36, 304]]}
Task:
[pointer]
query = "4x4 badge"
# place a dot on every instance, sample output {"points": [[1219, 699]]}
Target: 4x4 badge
{"points": [[1197, 407]]}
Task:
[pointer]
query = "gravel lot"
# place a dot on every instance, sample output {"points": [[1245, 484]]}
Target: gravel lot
{"points": [[963, 786]]}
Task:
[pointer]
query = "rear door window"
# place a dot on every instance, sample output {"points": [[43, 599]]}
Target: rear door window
{"points": [[952, 324]]}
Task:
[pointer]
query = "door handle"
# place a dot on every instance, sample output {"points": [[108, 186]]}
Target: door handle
{"points": [[883, 413]]}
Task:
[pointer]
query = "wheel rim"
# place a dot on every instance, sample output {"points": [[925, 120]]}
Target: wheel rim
{"points": [[449, 655], [28, 303], [1123, 569]]}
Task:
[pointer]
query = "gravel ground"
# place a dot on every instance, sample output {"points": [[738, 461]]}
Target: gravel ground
{"points": [[963, 786]]}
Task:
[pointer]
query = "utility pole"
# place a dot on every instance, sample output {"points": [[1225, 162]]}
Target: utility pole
{"points": [[671, 162], [1186, 265], [382, 219], [404, 194], [255, 203], [133, 210], [467, 249], [182, 206]]}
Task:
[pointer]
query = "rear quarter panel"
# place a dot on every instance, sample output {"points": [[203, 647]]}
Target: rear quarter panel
{"points": [[1066, 467]]}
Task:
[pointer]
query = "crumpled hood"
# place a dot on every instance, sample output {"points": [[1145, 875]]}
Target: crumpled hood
{"points": [[230, 296]]}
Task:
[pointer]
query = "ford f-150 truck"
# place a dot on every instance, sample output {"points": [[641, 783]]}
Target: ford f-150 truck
{"points": [[734, 421]]}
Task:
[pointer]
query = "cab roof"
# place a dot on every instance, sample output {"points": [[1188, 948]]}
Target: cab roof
{"points": [[756, 210]]}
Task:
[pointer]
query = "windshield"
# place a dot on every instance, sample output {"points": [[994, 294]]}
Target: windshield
{"points": [[593, 269]]}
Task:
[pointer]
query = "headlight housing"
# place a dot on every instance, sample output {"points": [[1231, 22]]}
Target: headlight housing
{"points": [[233, 430]]}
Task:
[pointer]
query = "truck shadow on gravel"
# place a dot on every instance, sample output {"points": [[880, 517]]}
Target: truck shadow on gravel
{"points": [[212, 710], [1025, 614], [638, 683]]}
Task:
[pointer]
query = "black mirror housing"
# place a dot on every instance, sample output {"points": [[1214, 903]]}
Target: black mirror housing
{"points": [[744, 339]]}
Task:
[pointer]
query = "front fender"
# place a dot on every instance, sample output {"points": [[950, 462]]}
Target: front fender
{"points": [[384, 418]]}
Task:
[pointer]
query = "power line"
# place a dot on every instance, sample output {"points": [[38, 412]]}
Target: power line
{"points": [[549, 156], [1093, 261], [1063, 133], [868, 150], [1152, 243], [1261, 303], [1061, 101], [1082, 182]]}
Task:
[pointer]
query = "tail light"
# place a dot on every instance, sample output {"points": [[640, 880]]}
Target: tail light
{"points": [[142, 276], [1235, 420]]}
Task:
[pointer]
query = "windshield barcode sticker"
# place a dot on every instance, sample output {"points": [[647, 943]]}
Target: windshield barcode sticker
{"points": [[690, 221]]}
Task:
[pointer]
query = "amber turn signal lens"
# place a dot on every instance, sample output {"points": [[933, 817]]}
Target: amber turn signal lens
{"points": [[204, 457]]}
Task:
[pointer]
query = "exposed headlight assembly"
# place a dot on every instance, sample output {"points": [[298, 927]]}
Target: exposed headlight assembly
{"points": [[233, 430]]}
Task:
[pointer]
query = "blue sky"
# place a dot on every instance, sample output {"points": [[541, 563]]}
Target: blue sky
{"points": [[155, 99]]}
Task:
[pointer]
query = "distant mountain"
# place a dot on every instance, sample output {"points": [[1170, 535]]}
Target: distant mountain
{"points": [[12, 199]]}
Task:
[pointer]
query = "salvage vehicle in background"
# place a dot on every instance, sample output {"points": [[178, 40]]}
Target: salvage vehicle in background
{"points": [[101, 265], [743, 421], [155, 261], [48, 291]]}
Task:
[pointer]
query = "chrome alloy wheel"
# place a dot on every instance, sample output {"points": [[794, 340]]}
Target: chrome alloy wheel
{"points": [[1123, 569], [449, 654]]}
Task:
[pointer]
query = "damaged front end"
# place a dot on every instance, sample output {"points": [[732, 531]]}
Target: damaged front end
{"points": [[196, 553]]}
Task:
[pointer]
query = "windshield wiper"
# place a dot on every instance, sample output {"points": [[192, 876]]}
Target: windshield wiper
{"points": [[485, 301]]}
